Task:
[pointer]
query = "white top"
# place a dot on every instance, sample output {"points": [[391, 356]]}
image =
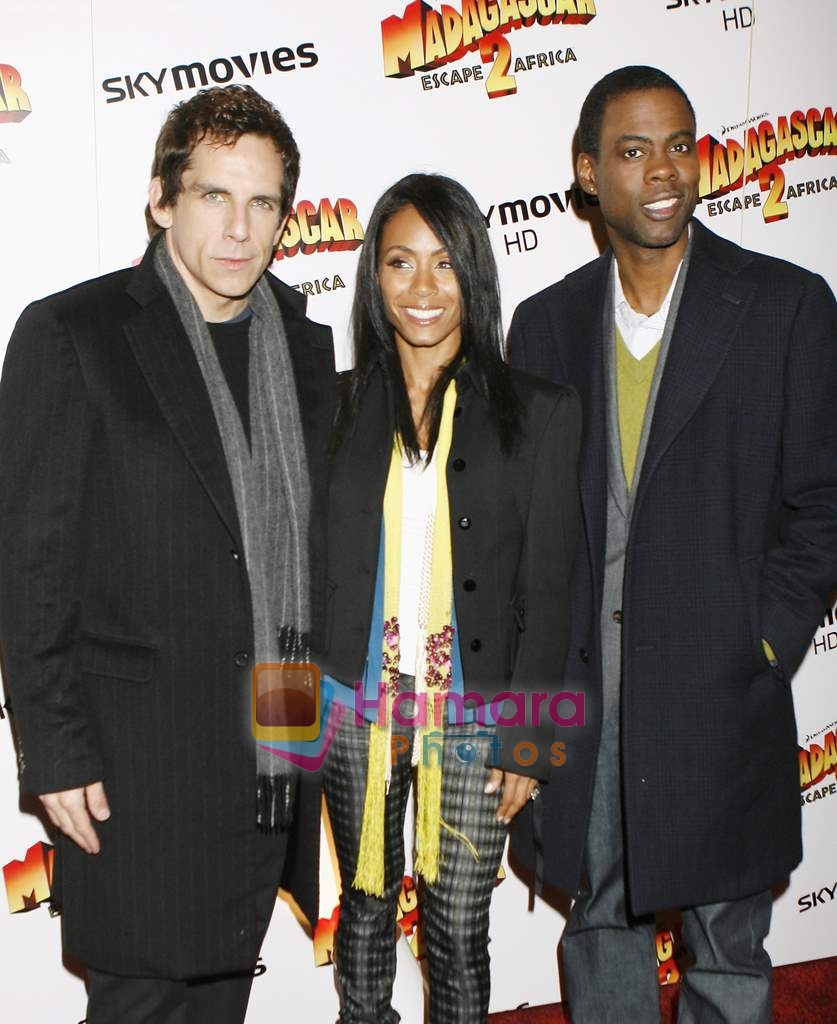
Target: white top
{"points": [[639, 332], [419, 503]]}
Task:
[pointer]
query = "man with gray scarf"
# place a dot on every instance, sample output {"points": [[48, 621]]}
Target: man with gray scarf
{"points": [[163, 436]]}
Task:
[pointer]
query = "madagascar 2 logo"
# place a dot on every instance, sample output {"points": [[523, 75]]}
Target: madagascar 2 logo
{"points": [[14, 103], [29, 881], [729, 165], [325, 227], [424, 39]]}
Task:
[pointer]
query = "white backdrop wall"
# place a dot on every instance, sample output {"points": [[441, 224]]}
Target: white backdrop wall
{"points": [[84, 88]]}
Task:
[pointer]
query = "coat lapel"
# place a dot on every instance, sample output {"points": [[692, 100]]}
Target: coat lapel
{"points": [[313, 362], [585, 365], [713, 306], [164, 354], [371, 447]]}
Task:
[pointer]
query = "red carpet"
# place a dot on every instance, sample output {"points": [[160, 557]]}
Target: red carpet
{"points": [[802, 994]]}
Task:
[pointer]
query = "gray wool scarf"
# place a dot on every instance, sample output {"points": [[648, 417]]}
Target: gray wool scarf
{"points": [[272, 497]]}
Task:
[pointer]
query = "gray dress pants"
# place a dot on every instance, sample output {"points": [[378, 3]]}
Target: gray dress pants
{"points": [[609, 956]]}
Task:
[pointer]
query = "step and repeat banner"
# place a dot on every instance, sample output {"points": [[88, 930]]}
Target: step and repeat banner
{"points": [[487, 91]]}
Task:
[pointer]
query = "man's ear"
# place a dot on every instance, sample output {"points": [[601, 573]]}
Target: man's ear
{"points": [[585, 169], [162, 214]]}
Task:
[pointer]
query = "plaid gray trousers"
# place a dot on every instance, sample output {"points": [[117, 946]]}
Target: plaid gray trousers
{"points": [[454, 911]]}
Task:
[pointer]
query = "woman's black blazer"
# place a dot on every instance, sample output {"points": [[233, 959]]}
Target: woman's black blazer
{"points": [[514, 522]]}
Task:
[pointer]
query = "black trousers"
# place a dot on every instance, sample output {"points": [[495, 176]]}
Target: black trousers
{"points": [[114, 999]]}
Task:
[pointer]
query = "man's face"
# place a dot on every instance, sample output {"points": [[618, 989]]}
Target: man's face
{"points": [[646, 174], [224, 226]]}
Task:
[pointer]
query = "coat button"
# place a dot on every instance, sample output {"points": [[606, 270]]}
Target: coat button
{"points": [[458, 465], [235, 555], [470, 585], [464, 522], [582, 653], [616, 615], [241, 658], [476, 645]]}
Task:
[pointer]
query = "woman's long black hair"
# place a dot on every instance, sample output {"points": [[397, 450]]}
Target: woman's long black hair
{"points": [[454, 217]]}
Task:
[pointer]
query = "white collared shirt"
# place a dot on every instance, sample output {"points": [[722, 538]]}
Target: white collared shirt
{"points": [[639, 332]]}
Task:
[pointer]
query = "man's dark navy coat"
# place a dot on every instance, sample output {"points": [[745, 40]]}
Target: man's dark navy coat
{"points": [[125, 620], [733, 538]]}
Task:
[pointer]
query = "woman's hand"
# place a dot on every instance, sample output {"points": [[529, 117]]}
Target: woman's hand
{"points": [[517, 789]]}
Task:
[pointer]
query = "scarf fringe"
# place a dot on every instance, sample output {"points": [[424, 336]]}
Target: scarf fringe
{"points": [[275, 803], [462, 838], [369, 872], [429, 813]]}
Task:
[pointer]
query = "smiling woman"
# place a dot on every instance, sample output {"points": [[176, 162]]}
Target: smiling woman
{"points": [[421, 296]]}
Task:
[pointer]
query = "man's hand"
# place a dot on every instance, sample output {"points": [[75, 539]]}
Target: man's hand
{"points": [[516, 791], [71, 811]]}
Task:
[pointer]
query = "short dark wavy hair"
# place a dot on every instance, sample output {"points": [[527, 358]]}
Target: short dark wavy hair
{"points": [[634, 78], [222, 114]]}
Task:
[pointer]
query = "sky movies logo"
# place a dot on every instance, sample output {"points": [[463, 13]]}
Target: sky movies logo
{"points": [[823, 897], [425, 39], [14, 103], [198, 74]]}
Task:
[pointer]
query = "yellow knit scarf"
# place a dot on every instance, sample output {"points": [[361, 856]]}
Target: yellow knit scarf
{"points": [[433, 673]]}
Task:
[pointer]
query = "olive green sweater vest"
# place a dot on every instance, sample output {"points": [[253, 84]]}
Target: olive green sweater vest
{"points": [[633, 386]]}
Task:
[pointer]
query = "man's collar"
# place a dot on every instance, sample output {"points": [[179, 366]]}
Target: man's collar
{"points": [[625, 309], [641, 333]]}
